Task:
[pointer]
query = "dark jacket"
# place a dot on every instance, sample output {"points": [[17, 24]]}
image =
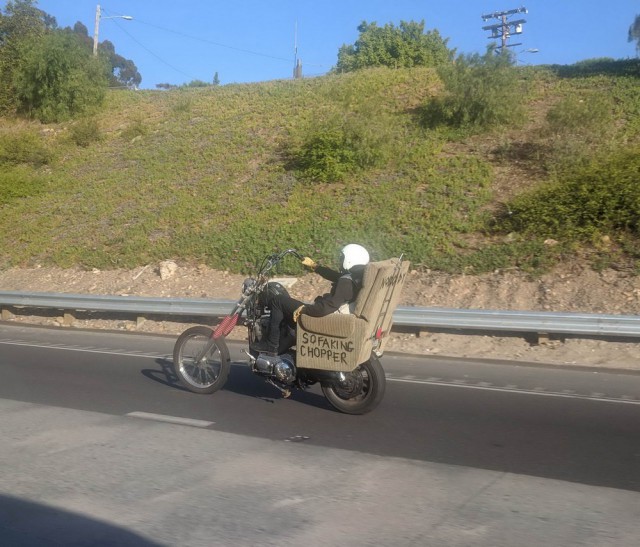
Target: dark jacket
{"points": [[345, 287]]}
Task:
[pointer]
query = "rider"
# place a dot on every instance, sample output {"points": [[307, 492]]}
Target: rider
{"points": [[345, 285]]}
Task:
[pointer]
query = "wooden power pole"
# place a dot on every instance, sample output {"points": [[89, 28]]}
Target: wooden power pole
{"points": [[505, 28]]}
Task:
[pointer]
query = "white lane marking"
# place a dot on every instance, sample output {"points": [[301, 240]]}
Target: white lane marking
{"points": [[89, 349], [511, 388], [288, 502], [170, 419], [624, 399]]}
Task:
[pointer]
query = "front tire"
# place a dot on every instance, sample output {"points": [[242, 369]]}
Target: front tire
{"points": [[361, 391], [201, 363]]}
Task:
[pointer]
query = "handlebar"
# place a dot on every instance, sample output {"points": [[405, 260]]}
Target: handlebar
{"points": [[271, 260], [293, 252]]}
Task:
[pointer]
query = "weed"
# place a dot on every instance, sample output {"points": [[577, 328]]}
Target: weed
{"points": [[85, 132]]}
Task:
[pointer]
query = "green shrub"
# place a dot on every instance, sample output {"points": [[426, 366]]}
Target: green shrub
{"points": [[601, 66], [479, 92], [85, 132], [599, 198], [24, 148], [338, 148], [59, 79]]}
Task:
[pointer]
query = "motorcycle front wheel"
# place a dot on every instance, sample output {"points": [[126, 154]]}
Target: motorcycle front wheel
{"points": [[361, 390], [201, 363]]}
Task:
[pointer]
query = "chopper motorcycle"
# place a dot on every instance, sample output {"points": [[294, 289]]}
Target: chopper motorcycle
{"points": [[202, 361]]}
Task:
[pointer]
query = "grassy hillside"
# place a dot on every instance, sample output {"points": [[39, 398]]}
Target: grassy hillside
{"points": [[224, 175]]}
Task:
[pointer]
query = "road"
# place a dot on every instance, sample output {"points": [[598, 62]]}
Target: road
{"points": [[99, 442]]}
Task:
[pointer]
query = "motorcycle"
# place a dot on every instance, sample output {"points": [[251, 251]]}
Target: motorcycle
{"points": [[202, 361]]}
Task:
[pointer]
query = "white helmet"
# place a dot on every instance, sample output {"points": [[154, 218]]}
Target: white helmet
{"points": [[353, 255]]}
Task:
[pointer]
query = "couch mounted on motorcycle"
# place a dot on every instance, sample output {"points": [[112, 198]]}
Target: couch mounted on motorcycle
{"points": [[339, 351]]}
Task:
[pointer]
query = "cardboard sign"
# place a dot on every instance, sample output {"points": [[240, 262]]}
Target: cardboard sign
{"points": [[320, 346]]}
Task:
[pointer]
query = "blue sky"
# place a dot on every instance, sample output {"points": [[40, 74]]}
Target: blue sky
{"points": [[246, 41]]}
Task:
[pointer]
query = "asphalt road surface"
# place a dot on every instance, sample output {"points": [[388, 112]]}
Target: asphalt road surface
{"points": [[101, 446]]}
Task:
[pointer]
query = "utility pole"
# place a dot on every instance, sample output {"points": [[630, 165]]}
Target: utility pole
{"points": [[95, 31], [297, 64], [96, 28], [505, 28]]}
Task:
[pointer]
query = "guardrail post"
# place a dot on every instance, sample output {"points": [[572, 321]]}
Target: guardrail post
{"points": [[542, 338]]}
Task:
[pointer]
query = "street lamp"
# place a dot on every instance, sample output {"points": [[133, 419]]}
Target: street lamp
{"points": [[528, 50], [97, 27]]}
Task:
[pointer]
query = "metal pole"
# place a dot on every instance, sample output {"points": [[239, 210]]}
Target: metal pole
{"points": [[95, 31]]}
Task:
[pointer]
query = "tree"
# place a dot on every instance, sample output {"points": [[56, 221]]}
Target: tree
{"points": [[404, 46], [21, 24], [197, 83], [51, 73], [23, 19], [634, 33], [59, 78], [124, 72], [216, 79]]}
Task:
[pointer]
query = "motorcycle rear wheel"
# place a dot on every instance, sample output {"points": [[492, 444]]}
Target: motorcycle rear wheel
{"points": [[361, 391], [201, 363]]}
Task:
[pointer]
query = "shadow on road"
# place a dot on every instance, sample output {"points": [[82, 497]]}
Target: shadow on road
{"points": [[241, 381], [26, 523]]}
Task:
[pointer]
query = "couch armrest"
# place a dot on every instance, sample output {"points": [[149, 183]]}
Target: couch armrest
{"points": [[335, 325]]}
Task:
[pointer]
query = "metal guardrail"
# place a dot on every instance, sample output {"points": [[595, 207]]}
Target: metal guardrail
{"points": [[416, 317]]}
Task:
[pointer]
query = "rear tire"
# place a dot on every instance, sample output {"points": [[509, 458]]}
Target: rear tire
{"points": [[201, 363], [362, 390]]}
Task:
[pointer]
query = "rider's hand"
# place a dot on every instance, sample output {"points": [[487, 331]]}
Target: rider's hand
{"points": [[297, 313], [309, 263]]}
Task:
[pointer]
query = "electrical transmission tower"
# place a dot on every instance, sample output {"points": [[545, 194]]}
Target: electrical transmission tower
{"points": [[505, 28]]}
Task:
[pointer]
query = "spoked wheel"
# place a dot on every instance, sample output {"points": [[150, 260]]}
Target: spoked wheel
{"points": [[201, 363], [361, 390]]}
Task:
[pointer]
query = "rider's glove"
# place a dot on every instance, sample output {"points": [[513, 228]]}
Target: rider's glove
{"points": [[309, 263], [297, 313]]}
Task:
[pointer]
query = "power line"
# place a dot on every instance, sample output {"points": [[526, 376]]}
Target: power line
{"points": [[206, 41], [153, 54], [199, 39]]}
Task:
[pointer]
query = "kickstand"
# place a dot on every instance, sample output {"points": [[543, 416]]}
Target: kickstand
{"points": [[286, 393]]}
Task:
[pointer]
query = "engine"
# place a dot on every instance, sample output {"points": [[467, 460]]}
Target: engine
{"points": [[285, 369], [280, 368]]}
